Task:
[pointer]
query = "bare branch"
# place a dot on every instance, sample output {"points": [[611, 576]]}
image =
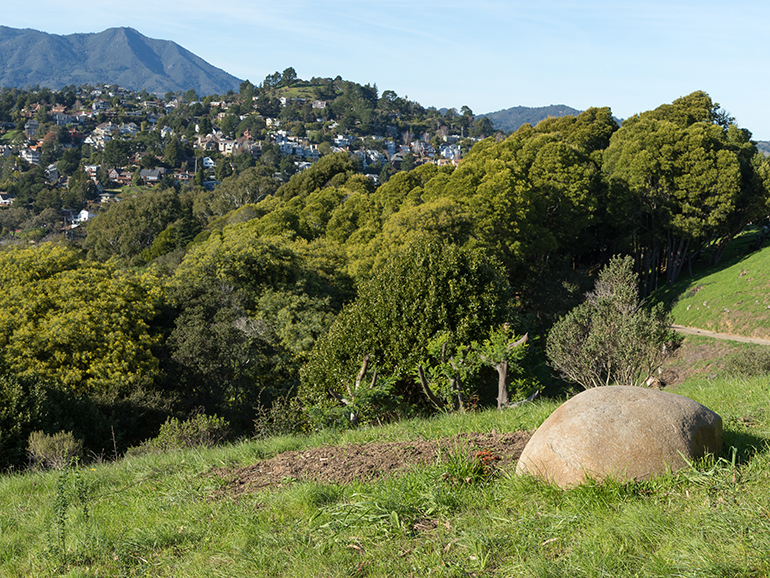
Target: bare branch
{"points": [[520, 342], [531, 398], [361, 373], [426, 388]]}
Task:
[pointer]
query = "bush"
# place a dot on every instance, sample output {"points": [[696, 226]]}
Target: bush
{"points": [[200, 430], [611, 338], [286, 415], [53, 451], [427, 288], [750, 362]]}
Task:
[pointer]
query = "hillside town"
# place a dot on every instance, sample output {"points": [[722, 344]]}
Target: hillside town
{"points": [[121, 138]]}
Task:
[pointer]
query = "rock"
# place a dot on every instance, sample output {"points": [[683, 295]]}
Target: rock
{"points": [[629, 433]]}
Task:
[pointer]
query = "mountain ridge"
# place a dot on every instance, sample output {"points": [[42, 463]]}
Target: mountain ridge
{"points": [[120, 56], [510, 119]]}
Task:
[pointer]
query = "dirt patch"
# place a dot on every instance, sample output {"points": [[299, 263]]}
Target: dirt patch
{"points": [[367, 462]]}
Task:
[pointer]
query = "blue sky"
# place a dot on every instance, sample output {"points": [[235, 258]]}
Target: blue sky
{"points": [[487, 54]]}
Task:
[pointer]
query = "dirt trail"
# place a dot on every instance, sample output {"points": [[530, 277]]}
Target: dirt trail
{"points": [[725, 336]]}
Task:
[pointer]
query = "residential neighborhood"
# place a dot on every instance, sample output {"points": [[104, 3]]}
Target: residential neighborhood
{"points": [[94, 144]]}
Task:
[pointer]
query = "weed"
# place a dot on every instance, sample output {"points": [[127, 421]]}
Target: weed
{"points": [[459, 469], [199, 431], [72, 491]]}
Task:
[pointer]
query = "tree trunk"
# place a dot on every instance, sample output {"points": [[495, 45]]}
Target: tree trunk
{"points": [[502, 384]]}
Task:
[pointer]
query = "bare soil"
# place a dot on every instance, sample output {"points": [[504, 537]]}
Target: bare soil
{"points": [[367, 462]]}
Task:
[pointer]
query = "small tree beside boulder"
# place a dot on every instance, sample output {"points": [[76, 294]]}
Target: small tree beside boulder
{"points": [[612, 337]]}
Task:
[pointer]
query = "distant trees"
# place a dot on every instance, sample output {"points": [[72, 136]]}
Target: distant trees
{"points": [[676, 177], [328, 285]]}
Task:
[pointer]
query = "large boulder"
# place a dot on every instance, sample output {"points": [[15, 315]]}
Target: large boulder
{"points": [[629, 433]]}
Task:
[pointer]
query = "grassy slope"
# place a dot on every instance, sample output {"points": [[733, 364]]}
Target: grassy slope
{"points": [[156, 515], [733, 299]]}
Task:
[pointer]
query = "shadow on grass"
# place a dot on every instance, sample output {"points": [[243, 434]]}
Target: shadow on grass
{"points": [[745, 443]]}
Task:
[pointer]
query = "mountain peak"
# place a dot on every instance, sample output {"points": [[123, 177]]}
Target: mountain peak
{"points": [[120, 55]]}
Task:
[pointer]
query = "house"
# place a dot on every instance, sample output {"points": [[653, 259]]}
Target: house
{"points": [[6, 200], [208, 163], [120, 176], [152, 176], [100, 105], [77, 219], [106, 128], [207, 143], [452, 152], [30, 155], [51, 173], [128, 128], [227, 146], [91, 170], [30, 128], [97, 141], [184, 176]]}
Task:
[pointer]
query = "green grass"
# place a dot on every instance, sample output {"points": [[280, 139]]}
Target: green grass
{"points": [[161, 515], [733, 298], [10, 136]]}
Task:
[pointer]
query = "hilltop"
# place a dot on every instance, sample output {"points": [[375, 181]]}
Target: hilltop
{"points": [[120, 56], [511, 119]]}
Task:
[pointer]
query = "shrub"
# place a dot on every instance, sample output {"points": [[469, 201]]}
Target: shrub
{"points": [[200, 430], [611, 338], [750, 362], [53, 451], [286, 415]]}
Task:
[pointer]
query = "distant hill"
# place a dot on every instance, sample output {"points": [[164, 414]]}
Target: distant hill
{"points": [[764, 146], [119, 56], [511, 119]]}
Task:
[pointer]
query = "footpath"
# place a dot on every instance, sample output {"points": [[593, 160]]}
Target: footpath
{"points": [[727, 336]]}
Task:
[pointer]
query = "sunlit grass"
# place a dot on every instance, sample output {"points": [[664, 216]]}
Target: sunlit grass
{"points": [[162, 514], [733, 299]]}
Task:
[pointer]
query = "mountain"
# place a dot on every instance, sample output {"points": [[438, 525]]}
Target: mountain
{"points": [[119, 56], [511, 119]]}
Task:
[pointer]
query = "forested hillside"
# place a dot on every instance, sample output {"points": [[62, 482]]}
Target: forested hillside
{"points": [[342, 301]]}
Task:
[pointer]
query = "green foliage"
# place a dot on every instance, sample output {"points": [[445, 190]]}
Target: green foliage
{"points": [[611, 338], [461, 469], [505, 351], [86, 326], [427, 288], [677, 177], [249, 309], [750, 362], [200, 430], [284, 416], [54, 451], [319, 176], [130, 227], [72, 490]]}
